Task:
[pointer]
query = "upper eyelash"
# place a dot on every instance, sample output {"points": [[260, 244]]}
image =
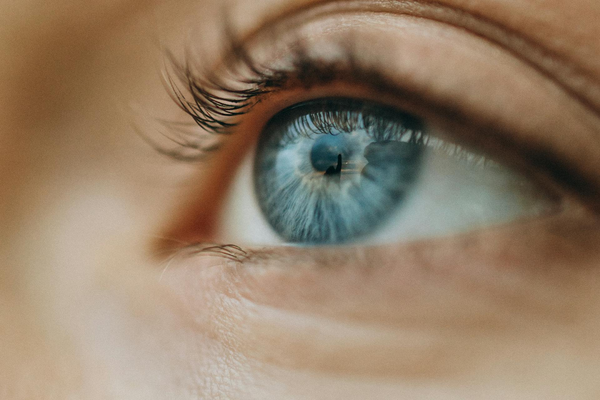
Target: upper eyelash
{"points": [[215, 102], [209, 110]]}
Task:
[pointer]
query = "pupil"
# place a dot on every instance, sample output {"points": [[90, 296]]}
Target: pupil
{"points": [[326, 151]]}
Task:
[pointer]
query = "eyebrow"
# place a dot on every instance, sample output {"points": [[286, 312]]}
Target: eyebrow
{"points": [[556, 67]]}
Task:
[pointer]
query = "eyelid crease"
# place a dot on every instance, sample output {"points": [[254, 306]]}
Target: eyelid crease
{"points": [[551, 65]]}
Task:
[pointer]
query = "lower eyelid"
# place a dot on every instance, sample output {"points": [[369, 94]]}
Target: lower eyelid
{"points": [[564, 233], [438, 289]]}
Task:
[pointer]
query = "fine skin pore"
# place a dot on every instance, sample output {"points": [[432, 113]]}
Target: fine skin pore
{"points": [[101, 299]]}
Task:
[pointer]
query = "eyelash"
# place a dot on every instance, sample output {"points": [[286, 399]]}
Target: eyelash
{"points": [[216, 104]]}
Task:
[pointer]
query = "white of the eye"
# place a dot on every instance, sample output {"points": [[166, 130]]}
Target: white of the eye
{"points": [[455, 194], [242, 220], [452, 195]]}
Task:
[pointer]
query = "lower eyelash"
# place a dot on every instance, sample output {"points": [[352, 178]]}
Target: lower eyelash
{"points": [[226, 252]]}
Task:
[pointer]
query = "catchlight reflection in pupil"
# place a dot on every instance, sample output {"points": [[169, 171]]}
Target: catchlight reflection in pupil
{"points": [[333, 170]]}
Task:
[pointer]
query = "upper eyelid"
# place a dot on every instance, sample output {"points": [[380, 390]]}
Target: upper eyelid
{"points": [[553, 67], [216, 112], [558, 69]]}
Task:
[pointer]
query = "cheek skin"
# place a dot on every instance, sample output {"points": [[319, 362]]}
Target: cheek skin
{"points": [[489, 308]]}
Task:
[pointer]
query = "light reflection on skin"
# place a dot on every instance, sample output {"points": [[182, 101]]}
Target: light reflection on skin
{"points": [[89, 308]]}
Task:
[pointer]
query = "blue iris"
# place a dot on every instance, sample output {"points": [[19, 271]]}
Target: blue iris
{"points": [[333, 170]]}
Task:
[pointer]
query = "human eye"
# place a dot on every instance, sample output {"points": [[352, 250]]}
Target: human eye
{"points": [[341, 155]]}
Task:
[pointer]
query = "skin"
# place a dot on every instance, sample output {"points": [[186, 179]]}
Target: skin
{"points": [[97, 300]]}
